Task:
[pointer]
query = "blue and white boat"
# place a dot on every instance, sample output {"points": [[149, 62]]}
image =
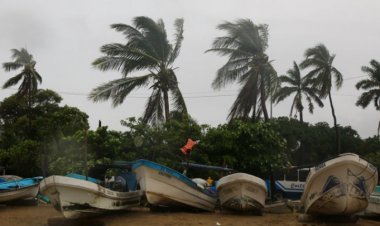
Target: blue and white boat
{"points": [[166, 187], [78, 196], [14, 188], [374, 203], [340, 186]]}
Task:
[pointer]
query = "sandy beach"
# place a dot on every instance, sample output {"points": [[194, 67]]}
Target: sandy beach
{"points": [[43, 215]]}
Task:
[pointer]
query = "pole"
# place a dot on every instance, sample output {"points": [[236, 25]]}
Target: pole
{"points": [[85, 154]]}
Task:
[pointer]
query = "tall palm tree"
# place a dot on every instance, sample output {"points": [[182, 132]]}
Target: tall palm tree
{"points": [[248, 64], [301, 87], [28, 76], [147, 49], [371, 84], [321, 77]]}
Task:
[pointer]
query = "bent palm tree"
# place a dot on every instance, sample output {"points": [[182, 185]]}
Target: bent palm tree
{"points": [[299, 86], [371, 84], [245, 44], [321, 77], [147, 49], [29, 77]]}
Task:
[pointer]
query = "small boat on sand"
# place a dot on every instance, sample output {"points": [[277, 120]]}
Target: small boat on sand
{"points": [[374, 203], [242, 192], [165, 187], [340, 186], [76, 196], [13, 188]]}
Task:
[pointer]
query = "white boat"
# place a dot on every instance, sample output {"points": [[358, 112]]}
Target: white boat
{"points": [[374, 203], [168, 188], [242, 192], [16, 188], [77, 198], [340, 186]]}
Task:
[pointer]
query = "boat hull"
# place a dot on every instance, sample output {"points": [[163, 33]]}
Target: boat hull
{"points": [[19, 193], [166, 187], [340, 186], [242, 192], [374, 203], [76, 198]]}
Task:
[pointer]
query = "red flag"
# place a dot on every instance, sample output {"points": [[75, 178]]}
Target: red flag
{"points": [[188, 146]]}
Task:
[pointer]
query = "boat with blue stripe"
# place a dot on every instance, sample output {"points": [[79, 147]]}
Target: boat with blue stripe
{"points": [[14, 188], [166, 187]]}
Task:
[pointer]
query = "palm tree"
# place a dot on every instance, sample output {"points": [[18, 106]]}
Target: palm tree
{"points": [[301, 87], [245, 45], [29, 76], [147, 49], [321, 77], [371, 84]]}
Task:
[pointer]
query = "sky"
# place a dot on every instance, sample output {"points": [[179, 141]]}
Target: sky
{"points": [[65, 37]]}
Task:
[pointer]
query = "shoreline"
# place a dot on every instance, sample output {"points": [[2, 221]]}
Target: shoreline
{"points": [[43, 215]]}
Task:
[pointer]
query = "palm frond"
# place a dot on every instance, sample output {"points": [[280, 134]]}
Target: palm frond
{"points": [[130, 32], [14, 80], [246, 99], [10, 66], [338, 77], [118, 89], [178, 100], [154, 108], [178, 24], [230, 72], [155, 35], [366, 98], [283, 93]]}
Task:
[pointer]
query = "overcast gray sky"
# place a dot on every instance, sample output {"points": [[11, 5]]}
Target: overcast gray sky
{"points": [[65, 36]]}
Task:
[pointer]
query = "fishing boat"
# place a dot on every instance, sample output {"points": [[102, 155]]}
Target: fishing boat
{"points": [[374, 203], [340, 186], [77, 196], [165, 187], [13, 188], [242, 192]]}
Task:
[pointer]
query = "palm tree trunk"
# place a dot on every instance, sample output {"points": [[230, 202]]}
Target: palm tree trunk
{"points": [[337, 134], [253, 117], [262, 97], [30, 110], [166, 103], [301, 116]]}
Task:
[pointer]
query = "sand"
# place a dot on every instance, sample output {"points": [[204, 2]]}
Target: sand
{"points": [[43, 215]]}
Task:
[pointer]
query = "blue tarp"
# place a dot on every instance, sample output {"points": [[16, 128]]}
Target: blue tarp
{"points": [[82, 177], [20, 183]]}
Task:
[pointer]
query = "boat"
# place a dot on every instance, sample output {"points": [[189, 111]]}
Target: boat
{"points": [[165, 187], [374, 203], [340, 186], [242, 192], [78, 196], [13, 188]]}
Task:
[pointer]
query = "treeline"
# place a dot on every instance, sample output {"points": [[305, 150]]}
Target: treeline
{"points": [[59, 141]]}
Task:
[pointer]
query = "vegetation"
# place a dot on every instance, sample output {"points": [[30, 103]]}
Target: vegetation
{"points": [[372, 84], [321, 77], [248, 64], [39, 136], [29, 76], [299, 86], [147, 49]]}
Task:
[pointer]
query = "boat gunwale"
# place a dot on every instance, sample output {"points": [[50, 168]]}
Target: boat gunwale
{"points": [[174, 173], [97, 191]]}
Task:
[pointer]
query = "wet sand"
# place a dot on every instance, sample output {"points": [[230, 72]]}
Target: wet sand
{"points": [[44, 215]]}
